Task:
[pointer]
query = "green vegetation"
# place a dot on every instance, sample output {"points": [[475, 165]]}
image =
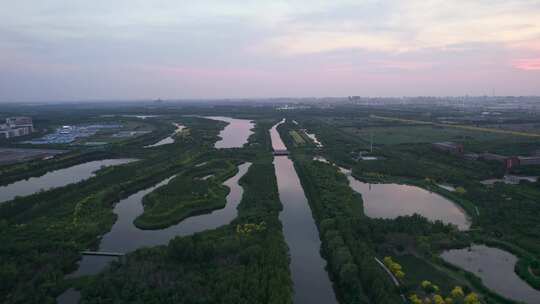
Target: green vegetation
{"points": [[186, 195], [337, 210], [407, 238], [298, 139], [43, 234], [244, 262]]}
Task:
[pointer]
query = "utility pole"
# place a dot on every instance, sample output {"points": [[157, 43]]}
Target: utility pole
{"points": [[371, 142]]}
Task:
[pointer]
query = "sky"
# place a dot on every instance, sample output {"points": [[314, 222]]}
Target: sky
{"points": [[56, 50]]}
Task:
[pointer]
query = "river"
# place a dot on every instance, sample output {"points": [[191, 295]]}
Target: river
{"points": [[124, 237], [169, 139], [235, 134], [57, 178], [496, 269], [310, 279]]}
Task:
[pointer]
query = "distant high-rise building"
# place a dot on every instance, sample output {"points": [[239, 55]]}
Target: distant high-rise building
{"points": [[16, 126]]}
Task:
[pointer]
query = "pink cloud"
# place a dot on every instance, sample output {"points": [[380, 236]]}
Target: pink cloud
{"points": [[527, 64]]}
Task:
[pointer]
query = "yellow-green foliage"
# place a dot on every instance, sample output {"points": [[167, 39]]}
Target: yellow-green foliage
{"points": [[415, 299], [438, 299], [457, 292], [374, 174], [249, 228], [471, 298], [433, 296], [298, 139], [394, 267], [461, 190]]}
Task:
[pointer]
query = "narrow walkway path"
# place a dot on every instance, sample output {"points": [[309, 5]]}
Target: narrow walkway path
{"points": [[396, 282]]}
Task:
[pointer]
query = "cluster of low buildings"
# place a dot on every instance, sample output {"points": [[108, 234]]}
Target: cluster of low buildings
{"points": [[509, 162], [68, 134], [16, 126]]}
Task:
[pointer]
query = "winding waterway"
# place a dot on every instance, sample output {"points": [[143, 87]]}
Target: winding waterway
{"points": [[236, 132], [169, 139], [57, 178], [496, 269], [124, 237], [393, 200], [310, 279]]}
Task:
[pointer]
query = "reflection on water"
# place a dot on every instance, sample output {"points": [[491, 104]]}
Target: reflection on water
{"points": [[125, 237], [393, 200], [277, 143], [496, 269], [311, 282], [57, 178], [236, 132], [169, 139]]}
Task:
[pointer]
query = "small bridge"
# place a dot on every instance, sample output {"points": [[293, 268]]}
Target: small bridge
{"points": [[102, 253], [281, 152]]}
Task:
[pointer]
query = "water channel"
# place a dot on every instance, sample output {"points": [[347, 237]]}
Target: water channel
{"points": [[57, 178], [236, 132], [496, 269], [124, 237], [310, 279], [169, 139]]}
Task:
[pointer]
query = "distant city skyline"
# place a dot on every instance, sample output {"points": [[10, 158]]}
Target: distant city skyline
{"points": [[62, 50]]}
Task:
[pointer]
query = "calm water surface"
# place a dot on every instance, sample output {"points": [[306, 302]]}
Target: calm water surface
{"points": [[236, 132], [57, 178], [125, 237], [393, 200], [310, 279], [169, 139], [496, 269]]}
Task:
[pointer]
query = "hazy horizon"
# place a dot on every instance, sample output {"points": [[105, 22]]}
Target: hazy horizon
{"points": [[59, 50]]}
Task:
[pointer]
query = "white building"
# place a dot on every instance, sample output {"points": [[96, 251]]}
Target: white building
{"points": [[16, 126]]}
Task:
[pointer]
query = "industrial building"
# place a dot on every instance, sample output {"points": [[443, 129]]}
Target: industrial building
{"points": [[509, 162], [529, 160], [448, 146], [16, 126]]}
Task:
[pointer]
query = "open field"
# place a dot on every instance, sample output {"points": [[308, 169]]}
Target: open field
{"points": [[298, 139], [401, 134], [14, 155], [463, 127]]}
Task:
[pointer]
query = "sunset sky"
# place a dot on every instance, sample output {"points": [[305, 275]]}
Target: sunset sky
{"points": [[130, 49]]}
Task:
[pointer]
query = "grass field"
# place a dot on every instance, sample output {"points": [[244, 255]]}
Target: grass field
{"points": [[298, 139], [461, 127], [418, 270], [427, 134]]}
